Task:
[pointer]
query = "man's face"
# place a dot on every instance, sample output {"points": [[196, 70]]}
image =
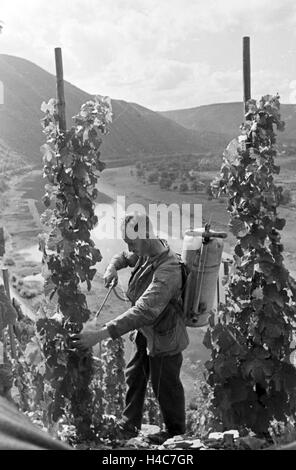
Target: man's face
{"points": [[137, 246], [135, 238]]}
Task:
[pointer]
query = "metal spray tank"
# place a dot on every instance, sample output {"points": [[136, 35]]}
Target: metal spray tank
{"points": [[202, 254]]}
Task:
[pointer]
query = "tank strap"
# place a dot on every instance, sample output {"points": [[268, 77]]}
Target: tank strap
{"points": [[174, 300], [201, 268]]}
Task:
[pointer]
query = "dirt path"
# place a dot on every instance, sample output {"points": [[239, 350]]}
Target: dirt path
{"points": [[34, 212]]}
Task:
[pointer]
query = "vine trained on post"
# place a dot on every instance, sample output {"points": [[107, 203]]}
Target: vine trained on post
{"points": [[254, 382], [71, 159]]}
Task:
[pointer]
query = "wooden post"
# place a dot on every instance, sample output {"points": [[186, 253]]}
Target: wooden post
{"points": [[10, 327], [246, 70], [218, 291], [60, 89], [2, 242]]}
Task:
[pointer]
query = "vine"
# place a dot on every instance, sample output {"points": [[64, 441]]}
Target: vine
{"points": [[108, 389], [114, 364], [71, 160], [152, 413], [253, 380]]}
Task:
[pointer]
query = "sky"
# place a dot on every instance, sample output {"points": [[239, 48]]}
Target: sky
{"points": [[162, 54]]}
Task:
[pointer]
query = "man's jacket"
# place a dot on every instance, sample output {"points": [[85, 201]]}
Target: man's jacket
{"points": [[154, 291]]}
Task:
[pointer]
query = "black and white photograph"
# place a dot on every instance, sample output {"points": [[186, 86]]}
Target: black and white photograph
{"points": [[147, 229]]}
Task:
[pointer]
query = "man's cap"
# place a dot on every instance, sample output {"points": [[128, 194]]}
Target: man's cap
{"points": [[137, 225]]}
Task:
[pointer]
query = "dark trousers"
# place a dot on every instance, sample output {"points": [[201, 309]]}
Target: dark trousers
{"points": [[166, 384]]}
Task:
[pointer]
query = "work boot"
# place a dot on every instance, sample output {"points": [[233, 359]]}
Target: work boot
{"points": [[126, 430], [159, 438]]}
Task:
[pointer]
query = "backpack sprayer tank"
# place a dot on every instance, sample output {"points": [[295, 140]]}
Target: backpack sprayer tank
{"points": [[201, 253]]}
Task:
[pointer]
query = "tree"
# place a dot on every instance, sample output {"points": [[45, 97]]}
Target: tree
{"points": [[250, 340], [183, 187], [165, 183], [140, 173], [286, 197], [194, 186], [153, 177]]}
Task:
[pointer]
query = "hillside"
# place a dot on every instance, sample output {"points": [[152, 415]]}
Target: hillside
{"points": [[225, 119], [9, 159], [135, 131]]}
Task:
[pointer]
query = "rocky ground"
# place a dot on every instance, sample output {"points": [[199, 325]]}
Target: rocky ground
{"points": [[228, 440]]}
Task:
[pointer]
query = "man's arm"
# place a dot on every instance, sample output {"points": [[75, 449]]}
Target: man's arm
{"points": [[120, 261], [165, 283], [124, 260], [89, 337]]}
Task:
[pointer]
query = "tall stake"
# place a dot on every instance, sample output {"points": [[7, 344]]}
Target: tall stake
{"points": [[2, 242], [10, 327], [246, 70], [60, 89]]}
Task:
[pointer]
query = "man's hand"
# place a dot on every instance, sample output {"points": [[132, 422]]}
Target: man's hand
{"points": [[110, 276], [88, 338]]}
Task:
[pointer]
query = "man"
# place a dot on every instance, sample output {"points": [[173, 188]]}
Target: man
{"points": [[154, 291]]}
